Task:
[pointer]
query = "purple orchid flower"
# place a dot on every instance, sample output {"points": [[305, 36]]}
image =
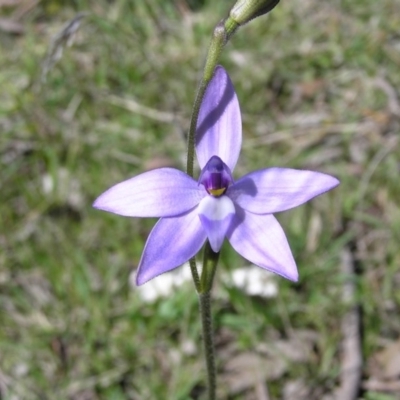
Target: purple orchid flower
{"points": [[216, 207]]}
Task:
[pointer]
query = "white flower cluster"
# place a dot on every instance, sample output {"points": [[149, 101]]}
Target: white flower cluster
{"points": [[253, 280]]}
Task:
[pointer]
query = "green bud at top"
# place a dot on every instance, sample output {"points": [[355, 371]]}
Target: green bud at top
{"points": [[245, 10]]}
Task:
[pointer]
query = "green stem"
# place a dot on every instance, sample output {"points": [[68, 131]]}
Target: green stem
{"points": [[210, 263], [208, 340], [195, 274], [193, 123], [230, 27]]}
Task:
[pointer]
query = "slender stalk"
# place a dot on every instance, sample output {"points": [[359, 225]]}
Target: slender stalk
{"points": [[210, 263], [208, 340], [193, 123], [195, 274]]}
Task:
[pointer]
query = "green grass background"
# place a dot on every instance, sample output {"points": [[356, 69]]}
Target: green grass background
{"points": [[318, 83]]}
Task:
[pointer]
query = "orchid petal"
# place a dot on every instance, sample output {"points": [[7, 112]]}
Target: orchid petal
{"points": [[278, 189], [219, 126], [172, 242], [163, 192], [216, 214], [261, 240]]}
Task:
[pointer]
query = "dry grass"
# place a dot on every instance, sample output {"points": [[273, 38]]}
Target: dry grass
{"points": [[318, 85]]}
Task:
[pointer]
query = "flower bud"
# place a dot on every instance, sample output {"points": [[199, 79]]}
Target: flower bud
{"points": [[245, 10]]}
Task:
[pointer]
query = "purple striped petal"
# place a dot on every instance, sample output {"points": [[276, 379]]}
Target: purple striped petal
{"points": [[261, 240], [278, 189], [216, 214], [163, 192], [219, 126], [172, 242]]}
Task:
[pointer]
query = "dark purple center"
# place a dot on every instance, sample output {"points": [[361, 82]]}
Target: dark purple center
{"points": [[216, 176]]}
